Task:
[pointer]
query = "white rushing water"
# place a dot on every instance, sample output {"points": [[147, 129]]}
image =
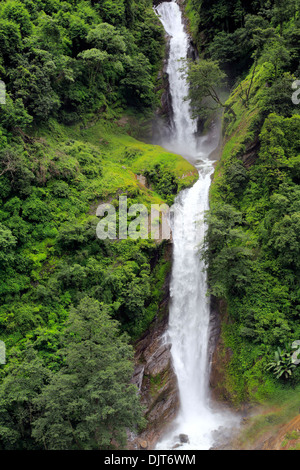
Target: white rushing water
{"points": [[189, 322]]}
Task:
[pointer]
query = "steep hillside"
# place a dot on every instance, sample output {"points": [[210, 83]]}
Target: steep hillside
{"points": [[253, 240], [81, 82]]}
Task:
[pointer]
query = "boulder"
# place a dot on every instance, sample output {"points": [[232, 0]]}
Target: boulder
{"points": [[184, 438]]}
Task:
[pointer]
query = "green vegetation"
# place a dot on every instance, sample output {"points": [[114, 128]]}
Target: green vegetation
{"points": [[234, 31], [85, 404], [81, 81], [253, 241], [283, 364], [92, 397], [81, 85], [204, 78]]}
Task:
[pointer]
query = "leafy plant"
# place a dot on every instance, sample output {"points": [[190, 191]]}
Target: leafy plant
{"points": [[283, 364]]}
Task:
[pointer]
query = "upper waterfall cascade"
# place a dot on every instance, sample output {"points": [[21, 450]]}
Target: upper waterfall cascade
{"points": [[189, 319]]}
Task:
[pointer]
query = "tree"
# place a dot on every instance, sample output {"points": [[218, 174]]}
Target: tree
{"points": [[277, 98], [13, 114], [32, 80], [15, 11], [113, 11], [129, 12], [283, 11], [231, 50], [285, 238], [276, 54], [259, 34], [108, 52], [205, 78], [137, 86], [226, 252], [95, 60], [106, 37], [14, 169], [10, 39], [89, 403], [7, 243], [50, 36], [24, 380]]}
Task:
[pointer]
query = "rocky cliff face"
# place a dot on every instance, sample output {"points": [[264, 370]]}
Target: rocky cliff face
{"points": [[162, 122], [165, 111], [155, 377], [220, 356]]}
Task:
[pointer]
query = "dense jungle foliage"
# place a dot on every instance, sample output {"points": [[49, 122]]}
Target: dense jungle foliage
{"points": [[253, 241], [80, 76], [70, 304]]}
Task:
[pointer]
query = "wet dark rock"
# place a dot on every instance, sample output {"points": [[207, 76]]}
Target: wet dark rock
{"points": [[219, 355], [155, 377], [157, 2], [184, 438]]}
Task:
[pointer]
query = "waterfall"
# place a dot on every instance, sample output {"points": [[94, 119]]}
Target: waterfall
{"points": [[189, 318], [184, 128]]}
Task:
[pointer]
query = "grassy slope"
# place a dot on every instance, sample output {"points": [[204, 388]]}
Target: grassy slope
{"points": [[121, 157]]}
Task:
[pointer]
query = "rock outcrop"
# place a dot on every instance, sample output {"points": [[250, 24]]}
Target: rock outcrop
{"points": [[220, 356], [162, 122]]}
